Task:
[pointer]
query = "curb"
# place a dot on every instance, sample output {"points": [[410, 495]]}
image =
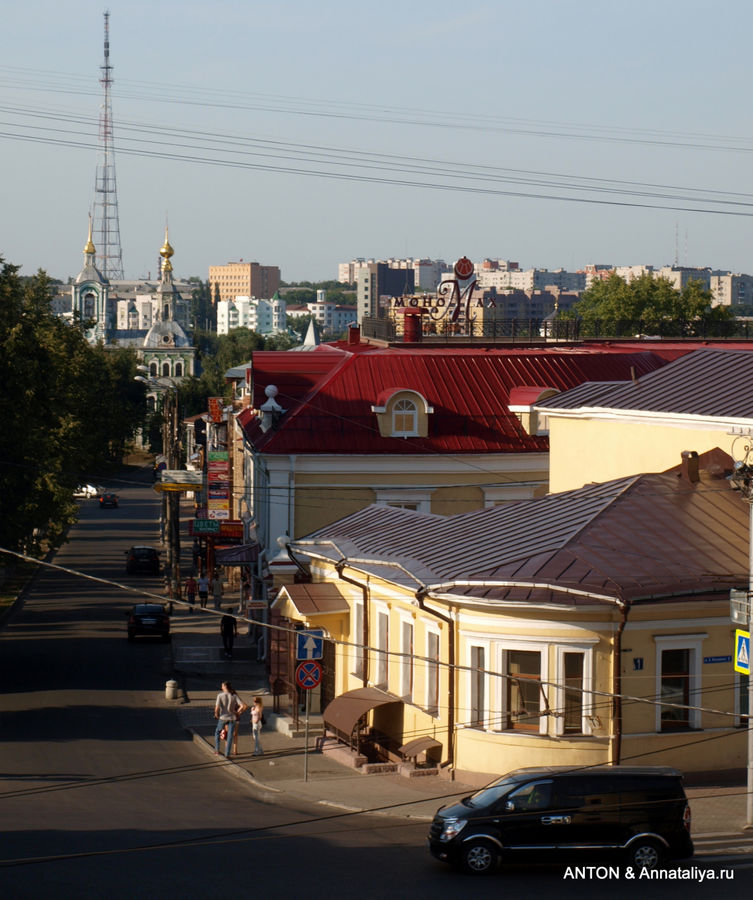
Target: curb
{"points": [[232, 767]]}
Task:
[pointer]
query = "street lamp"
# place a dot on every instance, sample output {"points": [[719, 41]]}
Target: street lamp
{"points": [[742, 480], [171, 448]]}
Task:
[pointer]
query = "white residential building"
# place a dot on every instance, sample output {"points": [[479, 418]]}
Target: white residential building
{"points": [[731, 290], [262, 316]]}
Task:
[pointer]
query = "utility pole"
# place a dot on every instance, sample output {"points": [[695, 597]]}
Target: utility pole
{"points": [[106, 219], [742, 480]]}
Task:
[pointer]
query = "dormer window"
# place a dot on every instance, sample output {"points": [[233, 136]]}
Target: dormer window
{"points": [[402, 412], [405, 418]]}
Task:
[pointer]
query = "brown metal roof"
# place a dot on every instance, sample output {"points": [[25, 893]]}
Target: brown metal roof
{"points": [[314, 599], [343, 713], [643, 536], [418, 745], [705, 382]]}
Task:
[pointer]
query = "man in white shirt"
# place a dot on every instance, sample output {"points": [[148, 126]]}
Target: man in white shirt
{"points": [[227, 706]]}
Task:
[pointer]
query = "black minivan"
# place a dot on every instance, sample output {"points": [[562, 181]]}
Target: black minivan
{"points": [[639, 813]]}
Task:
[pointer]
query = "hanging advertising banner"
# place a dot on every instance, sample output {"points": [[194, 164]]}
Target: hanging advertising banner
{"points": [[215, 408]]}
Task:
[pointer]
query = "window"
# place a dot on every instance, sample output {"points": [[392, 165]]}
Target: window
{"points": [[678, 680], [432, 673], [478, 687], [406, 687], [404, 418], [178, 370], [675, 688], [166, 370], [523, 690], [572, 677], [358, 640], [420, 501], [153, 370], [383, 643]]}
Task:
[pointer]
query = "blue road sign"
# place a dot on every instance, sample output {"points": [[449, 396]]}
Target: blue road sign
{"points": [[742, 651], [310, 644]]}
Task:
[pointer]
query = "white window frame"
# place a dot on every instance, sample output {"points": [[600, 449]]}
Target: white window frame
{"points": [[560, 693], [471, 646], [400, 498], [433, 674], [382, 657], [405, 413], [509, 493], [694, 643], [407, 659], [358, 648], [503, 647]]}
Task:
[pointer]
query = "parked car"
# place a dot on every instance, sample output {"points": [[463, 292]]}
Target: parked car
{"points": [[108, 499], [142, 559], [640, 814], [86, 491], [150, 619]]}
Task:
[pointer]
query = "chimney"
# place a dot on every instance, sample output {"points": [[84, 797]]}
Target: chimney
{"points": [[412, 332], [690, 466], [354, 334]]}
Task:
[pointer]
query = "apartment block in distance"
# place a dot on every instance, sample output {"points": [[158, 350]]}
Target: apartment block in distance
{"points": [[243, 279]]}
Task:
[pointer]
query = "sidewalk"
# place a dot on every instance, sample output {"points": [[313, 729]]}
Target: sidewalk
{"points": [[200, 667]]}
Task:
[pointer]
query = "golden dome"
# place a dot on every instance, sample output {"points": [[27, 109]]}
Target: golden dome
{"points": [[89, 248], [166, 250]]}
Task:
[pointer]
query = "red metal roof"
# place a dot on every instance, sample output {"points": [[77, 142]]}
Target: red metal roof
{"points": [[328, 394]]}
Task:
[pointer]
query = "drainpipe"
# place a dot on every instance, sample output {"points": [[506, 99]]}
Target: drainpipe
{"points": [[420, 595], [617, 688], [339, 566]]}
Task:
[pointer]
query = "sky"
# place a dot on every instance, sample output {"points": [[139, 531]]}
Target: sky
{"points": [[555, 133]]}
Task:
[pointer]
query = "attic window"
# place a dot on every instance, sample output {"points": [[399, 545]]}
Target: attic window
{"points": [[405, 418]]}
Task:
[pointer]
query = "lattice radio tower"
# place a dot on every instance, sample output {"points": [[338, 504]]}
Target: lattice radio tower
{"points": [[106, 225]]}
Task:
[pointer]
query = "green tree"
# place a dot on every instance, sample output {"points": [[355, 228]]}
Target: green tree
{"points": [[647, 304], [67, 409]]}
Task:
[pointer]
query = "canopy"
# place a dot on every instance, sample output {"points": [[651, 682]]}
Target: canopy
{"points": [[236, 555], [342, 713]]}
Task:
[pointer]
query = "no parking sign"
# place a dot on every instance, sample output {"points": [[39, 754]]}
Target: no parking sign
{"points": [[308, 674]]}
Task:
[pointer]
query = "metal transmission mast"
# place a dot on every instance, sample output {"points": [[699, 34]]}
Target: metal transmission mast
{"points": [[106, 224]]}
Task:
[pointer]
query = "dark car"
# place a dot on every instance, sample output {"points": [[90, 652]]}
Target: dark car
{"points": [[142, 559], [149, 619], [637, 813], [108, 499]]}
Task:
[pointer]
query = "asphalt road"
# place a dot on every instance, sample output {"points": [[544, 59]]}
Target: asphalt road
{"points": [[103, 795]]}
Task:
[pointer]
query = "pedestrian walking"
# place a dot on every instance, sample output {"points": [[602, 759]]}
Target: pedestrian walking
{"points": [[217, 591], [191, 588], [203, 585], [229, 631], [226, 708], [257, 721]]}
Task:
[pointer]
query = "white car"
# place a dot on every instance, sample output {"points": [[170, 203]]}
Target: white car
{"points": [[86, 490]]}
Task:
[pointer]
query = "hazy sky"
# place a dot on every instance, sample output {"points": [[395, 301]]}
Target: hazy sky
{"points": [[303, 134]]}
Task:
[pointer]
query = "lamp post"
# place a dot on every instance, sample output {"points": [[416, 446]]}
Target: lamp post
{"points": [[742, 480], [168, 389]]}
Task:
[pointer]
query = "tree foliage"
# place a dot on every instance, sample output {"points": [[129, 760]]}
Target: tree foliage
{"points": [[648, 304], [67, 410]]}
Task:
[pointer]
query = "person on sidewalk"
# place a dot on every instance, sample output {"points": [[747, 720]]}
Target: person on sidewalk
{"points": [[217, 591], [257, 721], [241, 709], [226, 708], [229, 630], [203, 585], [191, 588]]}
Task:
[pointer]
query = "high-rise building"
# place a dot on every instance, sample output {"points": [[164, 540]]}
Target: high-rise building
{"points": [[376, 284], [243, 279]]}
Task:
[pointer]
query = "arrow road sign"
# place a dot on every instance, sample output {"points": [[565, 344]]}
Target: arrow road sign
{"points": [[310, 644], [308, 675]]}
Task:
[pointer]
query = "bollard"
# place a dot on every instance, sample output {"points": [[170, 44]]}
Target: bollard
{"points": [[171, 690]]}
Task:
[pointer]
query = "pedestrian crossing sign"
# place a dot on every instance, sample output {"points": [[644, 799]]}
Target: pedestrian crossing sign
{"points": [[742, 651]]}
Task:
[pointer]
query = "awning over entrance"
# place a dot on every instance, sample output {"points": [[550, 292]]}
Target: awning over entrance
{"points": [[418, 745], [343, 713], [237, 555], [307, 601]]}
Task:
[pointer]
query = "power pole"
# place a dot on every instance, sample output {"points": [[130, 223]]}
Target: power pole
{"points": [[106, 221]]}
